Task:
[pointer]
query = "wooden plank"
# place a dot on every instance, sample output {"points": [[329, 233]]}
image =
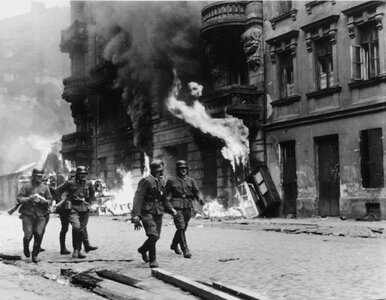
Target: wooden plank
{"points": [[112, 275], [191, 286], [112, 295], [85, 280], [71, 260], [239, 292], [10, 257]]}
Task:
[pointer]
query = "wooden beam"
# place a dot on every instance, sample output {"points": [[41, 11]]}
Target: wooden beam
{"points": [[239, 292], [10, 257], [113, 295], [191, 286], [112, 275], [85, 280]]}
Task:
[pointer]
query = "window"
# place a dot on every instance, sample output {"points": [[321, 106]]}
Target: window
{"points": [[324, 66], [372, 158], [284, 7], [286, 74], [365, 53]]}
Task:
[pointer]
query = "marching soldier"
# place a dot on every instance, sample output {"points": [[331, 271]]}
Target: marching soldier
{"points": [[80, 194], [182, 190], [149, 206], [34, 199]]}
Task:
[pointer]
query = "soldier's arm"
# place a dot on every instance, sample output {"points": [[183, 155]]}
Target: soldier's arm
{"points": [[60, 190], [168, 189], [197, 193], [138, 197], [48, 196], [22, 196]]}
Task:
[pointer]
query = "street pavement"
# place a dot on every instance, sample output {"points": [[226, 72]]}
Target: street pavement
{"points": [[290, 259]]}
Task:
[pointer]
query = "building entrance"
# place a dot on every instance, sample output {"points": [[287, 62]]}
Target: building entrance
{"points": [[328, 172]]}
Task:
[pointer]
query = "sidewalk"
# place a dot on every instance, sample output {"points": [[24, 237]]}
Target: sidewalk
{"points": [[320, 226]]}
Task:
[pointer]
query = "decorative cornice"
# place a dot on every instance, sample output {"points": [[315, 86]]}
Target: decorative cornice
{"points": [[320, 23], [292, 13], [327, 116], [362, 7], [282, 37]]}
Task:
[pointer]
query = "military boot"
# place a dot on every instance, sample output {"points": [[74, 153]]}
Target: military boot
{"points": [[175, 242], [62, 240], [184, 246], [77, 241], [78, 254], [86, 242], [153, 254], [143, 251], [26, 248]]}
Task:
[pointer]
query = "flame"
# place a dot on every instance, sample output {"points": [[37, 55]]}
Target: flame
{"points": [[214, 209], [229, 129], [122, 200]]}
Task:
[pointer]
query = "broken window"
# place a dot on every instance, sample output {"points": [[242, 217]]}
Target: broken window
{"points": [[365, 53], [102, 167], [372, 158], [284, 7], [324, 66], [286, 74]]}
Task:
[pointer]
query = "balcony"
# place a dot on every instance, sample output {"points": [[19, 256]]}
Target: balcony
{"points": [[76, 146], [74, 38], [238, 100], [101, 76], [228, 13], [74, 88]]}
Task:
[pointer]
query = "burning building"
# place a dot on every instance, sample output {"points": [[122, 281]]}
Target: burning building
{"points": [[137, 71]]}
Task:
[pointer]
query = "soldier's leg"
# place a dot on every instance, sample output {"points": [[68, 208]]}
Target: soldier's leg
{"points": [[179, 223], [65, 222], [85, 240], [38, 232], [186, 213], [76, 234], [27, 223], [151, 224]]}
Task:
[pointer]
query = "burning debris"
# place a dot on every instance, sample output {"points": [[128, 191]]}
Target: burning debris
{"points": [[213, 209], [229, 129]]}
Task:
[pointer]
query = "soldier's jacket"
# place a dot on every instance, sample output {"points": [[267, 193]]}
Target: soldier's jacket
{"points": [[182, 192], [150, 198], [31, 208], [75, 191]]}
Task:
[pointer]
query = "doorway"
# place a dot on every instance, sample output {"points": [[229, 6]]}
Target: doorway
{"points": [[171, 155], [328, 175], [289, 179]]}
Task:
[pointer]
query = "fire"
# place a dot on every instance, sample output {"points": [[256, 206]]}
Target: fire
{"points": [[214, 209], [122, 200], [229, 129]]}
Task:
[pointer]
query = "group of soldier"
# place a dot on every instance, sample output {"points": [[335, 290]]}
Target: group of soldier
{"points": [[36, 198], [152, 198]]}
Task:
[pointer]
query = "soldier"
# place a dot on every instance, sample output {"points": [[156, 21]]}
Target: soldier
{"points": [[80, 193], [149, 206], [182, 190], [35, 199]]}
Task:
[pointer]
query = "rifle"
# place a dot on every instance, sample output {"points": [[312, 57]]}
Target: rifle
{"points": [[13, 209]]}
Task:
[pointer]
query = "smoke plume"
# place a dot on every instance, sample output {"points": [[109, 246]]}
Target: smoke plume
{"points": [[32, 114], [229, 129], [146, 40]]}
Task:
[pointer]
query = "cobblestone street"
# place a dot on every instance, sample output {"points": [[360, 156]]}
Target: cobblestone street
{"points": [[278, 265]]}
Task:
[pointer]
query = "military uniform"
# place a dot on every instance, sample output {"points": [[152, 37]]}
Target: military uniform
{"points": [[182, 190], [150, 205], [34, 214], [79, 197]]}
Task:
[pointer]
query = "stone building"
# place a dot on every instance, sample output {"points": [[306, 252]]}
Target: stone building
{"points": [[325, 81], [306, 78]]}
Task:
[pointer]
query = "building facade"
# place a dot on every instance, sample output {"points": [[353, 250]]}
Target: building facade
{"points": [[325, 83], [306, 77]]}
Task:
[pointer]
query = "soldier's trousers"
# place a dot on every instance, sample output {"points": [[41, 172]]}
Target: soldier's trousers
{"points": [[78, 220], [34, 227], [152, 224], [181, 221]]}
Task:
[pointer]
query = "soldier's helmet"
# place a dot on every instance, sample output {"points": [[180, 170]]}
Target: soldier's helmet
{"points": [[36, 172], [156, 165], [81, 170], [181, 164]]}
